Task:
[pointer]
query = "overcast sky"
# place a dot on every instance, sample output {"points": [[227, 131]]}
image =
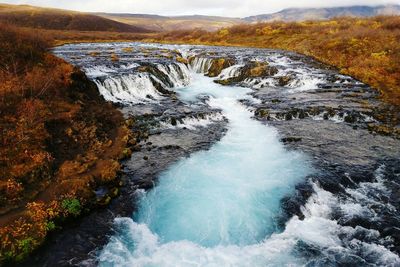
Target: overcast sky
{"points": [[229, 8]]}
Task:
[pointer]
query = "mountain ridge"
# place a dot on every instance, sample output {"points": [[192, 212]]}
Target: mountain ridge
{"points": [[301, 14]]}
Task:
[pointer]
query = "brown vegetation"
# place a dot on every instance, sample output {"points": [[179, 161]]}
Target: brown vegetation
{"points": [[367, 49], [59, 141], [58, 19]]}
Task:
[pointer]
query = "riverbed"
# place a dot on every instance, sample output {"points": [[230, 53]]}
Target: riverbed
{"points": [[271, 169]]}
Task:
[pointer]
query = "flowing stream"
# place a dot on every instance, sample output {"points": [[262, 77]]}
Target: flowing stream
{"points": [[247, 200], [210, 208]]}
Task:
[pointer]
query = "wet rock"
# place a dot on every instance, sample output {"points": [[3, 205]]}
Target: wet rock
{"points": [[130, 122], [104, 201], [114, 192], [182, 60], [145, 184], [224, 82], [173, 121], [217, 65], [290, 139], [284, 80], [253, 69], [126, 153], [288, 116], [161, 88], [259, 69], [350, 118], [262, 113]]}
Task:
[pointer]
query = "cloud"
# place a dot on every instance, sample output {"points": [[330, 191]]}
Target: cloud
{"points": [[231, 8]]}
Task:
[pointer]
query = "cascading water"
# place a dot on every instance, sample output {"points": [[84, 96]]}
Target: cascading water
{"points": [[226, 198], [223, 206], [201, 64]]}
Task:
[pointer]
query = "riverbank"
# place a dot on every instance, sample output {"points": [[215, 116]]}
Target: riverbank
{"points": [[61, 144]]}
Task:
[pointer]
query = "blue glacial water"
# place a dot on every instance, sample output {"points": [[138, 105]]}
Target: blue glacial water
{"points": [[217, 207]]}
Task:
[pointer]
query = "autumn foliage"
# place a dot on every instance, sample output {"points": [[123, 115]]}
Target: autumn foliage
{"points": [[365, 48], [59, 141]]}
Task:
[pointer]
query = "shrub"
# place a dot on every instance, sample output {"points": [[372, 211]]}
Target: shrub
{"points": [[71, 206]]}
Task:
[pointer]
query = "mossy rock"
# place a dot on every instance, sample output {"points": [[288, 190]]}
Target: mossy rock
{"points": [[284, 80], [126, 153], [260, 69], [224, 82], [182, 60], [105, 201], [253, 69], [217, 65], [114, 192], [261, 113], [130, 123]]}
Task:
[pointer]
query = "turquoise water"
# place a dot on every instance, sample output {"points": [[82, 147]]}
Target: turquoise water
{"points": [[217, 207]]}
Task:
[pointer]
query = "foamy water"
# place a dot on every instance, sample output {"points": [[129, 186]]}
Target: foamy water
{"points": [[220, 207], [217, 207]]}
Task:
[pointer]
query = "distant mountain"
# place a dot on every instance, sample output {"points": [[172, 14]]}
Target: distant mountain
{"points": [[301, 14], [164, 23], [58, 19]]}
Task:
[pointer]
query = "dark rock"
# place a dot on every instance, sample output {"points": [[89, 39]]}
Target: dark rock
{"points": [[173, 121], [290, 139]]}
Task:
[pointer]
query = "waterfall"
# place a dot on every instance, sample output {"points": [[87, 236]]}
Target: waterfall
{"points": [[230, 72], [130, 88], [138, 87], [177, 73], [201, 64]]}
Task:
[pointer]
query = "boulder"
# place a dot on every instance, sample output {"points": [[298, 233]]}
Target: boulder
{"points": [[253, 69], [284, 80], [217, 65], [182, 60]]}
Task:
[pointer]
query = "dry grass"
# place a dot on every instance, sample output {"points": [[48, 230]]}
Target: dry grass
{"points": [[58, 19]]}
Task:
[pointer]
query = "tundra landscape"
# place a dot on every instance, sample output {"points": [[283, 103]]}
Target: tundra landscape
{"points": [[135, 139]]}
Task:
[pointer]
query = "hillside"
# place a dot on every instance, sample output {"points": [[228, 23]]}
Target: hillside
{"points": [[301, 14], [60, 141], [57, 19], [163, 23]]}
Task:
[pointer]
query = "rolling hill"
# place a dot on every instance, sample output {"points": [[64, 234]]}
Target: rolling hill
{"points": [[301, 14], [164, 23], [58, 19]]}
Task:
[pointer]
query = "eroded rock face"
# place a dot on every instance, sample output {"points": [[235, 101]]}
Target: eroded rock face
{"points": [[217, 65], [252, 69]]}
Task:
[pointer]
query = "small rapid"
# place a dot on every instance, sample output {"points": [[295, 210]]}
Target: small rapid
{"points": [[215, 202], [247, 200]]}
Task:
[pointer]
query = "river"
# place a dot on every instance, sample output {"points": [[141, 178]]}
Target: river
{"points": [[224, 206]]}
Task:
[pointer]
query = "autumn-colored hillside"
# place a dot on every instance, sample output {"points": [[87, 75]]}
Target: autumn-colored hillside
{"points": [[59, 141], [58, 19], [367, 49]]}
